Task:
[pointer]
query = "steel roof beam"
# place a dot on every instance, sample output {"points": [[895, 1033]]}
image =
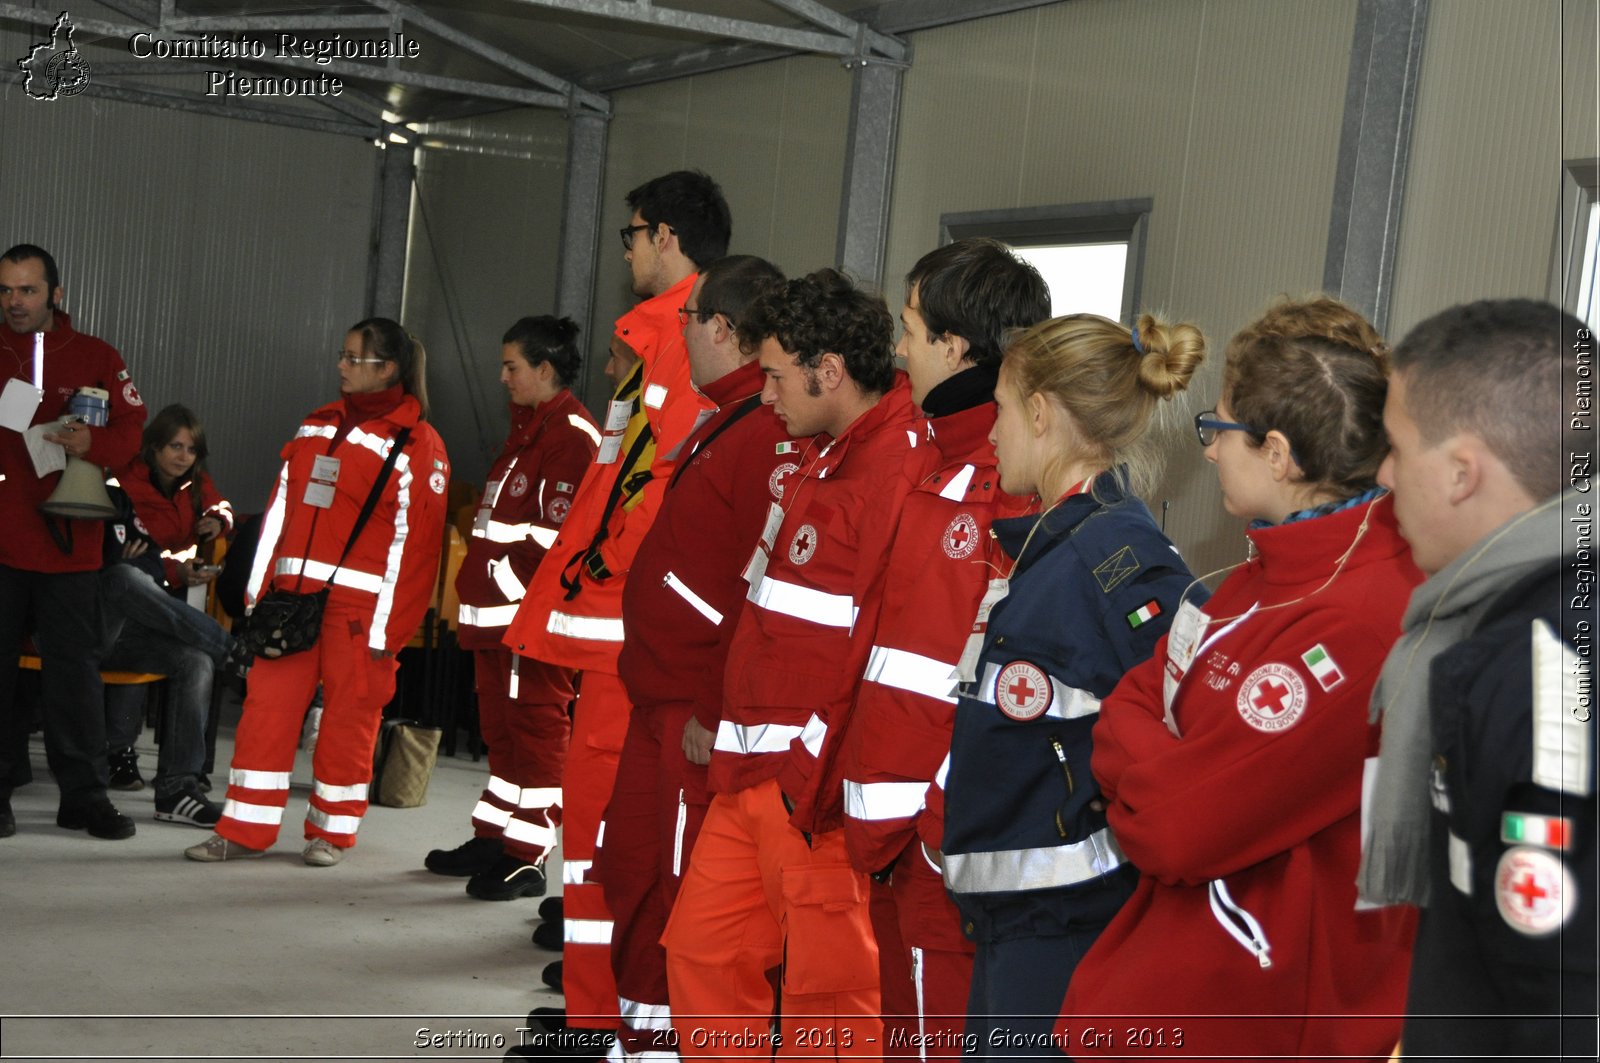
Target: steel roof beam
{"points": [[262, 24], [672, 18], [827, 18], [182, 101]]}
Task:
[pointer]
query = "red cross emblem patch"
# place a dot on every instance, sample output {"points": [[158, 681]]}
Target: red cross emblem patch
{"points": [[1533, 891], [1272, 698], [559, 508], [519, 485], [780, 473], [803, 545], [1022, 691], [961, 537]]}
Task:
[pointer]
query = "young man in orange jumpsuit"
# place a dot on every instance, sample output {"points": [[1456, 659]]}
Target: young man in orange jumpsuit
{"points": [[685, 590], [763, 892], [572, 614]]}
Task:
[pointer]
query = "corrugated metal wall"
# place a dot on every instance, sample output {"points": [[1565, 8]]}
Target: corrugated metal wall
{"points": [[1225, 112], [1482, 192], [485, 233], [223, 259]]}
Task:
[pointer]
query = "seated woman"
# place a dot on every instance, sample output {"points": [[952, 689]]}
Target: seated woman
{"points": [[171, 509], [1232, 763], [1027, 855]]}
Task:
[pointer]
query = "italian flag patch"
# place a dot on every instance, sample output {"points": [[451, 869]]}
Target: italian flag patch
{"points": [[1144, 614], [1323, 668], [1524, 828], [788, 446]]}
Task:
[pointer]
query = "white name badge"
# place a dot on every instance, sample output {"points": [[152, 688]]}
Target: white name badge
{"points": [[18, 403], [1183, 642], [491, 494], [967, 666], [617, 415], [769, 533], [324, 475]]}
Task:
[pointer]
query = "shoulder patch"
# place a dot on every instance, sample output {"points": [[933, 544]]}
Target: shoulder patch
{"points": [[436, 482], [780, 473], [803, 546], [1272, 698], [1022, 691], [519, 485], [960, 536], [1323, 668], [1144, 614], [130, 395], [1115, 570], [1533, 891]]}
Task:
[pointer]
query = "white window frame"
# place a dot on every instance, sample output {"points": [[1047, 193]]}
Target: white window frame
{"points": [[1580, 190]]}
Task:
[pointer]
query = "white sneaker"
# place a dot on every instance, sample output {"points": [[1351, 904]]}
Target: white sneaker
{"points": [[320, 852], [216, 849]]}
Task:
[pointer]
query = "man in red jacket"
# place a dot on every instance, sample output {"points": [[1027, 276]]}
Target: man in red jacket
{"points": [[49, 566], [685, 591], [960, 301], [763, 892], [572, 613]]}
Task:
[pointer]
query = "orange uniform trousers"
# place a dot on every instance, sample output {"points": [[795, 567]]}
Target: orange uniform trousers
{"points": [[760, 895], [599, 724], [522, 716], [355, 688]]}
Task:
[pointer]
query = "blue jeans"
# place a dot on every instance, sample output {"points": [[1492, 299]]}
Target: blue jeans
{"points": [[129, 595]]}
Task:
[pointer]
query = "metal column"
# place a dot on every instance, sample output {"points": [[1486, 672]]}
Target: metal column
{"points": [[1374, 148], [869, 168], [398, 174], [580, 221]]}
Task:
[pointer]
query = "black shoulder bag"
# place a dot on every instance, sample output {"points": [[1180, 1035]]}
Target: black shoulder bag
{"points": [[284, 622]]}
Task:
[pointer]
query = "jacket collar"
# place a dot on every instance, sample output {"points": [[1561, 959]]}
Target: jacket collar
{"points": [[734, 387], [1060, 520], [895, 406], [964, 435], [651, 321]]}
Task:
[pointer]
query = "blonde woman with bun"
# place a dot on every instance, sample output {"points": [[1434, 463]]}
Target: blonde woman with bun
{"points": [[1232, 763], [1088, 589]]}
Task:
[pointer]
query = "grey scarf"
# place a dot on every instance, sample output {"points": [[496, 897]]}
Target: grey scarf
{"points": [[1442, 611]]}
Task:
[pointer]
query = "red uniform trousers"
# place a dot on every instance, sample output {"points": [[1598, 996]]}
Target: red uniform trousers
{"points": [[651, 825], [758, 896], [522, 716], [936, 960], [599, 723], [355, 688]]}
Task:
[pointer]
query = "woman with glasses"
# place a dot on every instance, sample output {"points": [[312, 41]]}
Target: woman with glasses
{"points": [[379, 580], [1232, 763], [1088, 589]]}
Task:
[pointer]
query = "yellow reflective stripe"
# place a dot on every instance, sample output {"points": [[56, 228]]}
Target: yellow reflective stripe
{"points": [[339, 793], [803, 603], [245, 812], [912, 672], [755, 738], [875, 801], [592, 628], [1033, 869], [333, 824]]}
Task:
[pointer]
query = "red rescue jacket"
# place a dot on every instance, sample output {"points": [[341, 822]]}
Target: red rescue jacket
{"points": [[583, 629], [394, 565], [528, 495], [803, 640], [169, 522], [72, 360]]}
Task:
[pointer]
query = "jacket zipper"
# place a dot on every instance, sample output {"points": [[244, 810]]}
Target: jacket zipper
{"points": [[1066, 770]]}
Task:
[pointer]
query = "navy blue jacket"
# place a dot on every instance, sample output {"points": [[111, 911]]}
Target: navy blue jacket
{"points": [[1090, 596]]}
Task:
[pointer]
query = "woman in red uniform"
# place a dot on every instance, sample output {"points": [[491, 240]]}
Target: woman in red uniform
{"points": [[522, 703], [377, 595], [1232, 762]]}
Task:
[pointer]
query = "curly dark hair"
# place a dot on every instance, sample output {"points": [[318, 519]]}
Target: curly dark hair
{"points": [[825, 312]]}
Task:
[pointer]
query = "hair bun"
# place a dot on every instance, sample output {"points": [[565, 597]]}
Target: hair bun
{"points": [[1168, 355]]}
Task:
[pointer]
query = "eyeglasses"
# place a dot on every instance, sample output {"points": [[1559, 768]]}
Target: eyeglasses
{"points": [[703, 313], [1206, 426], [345, 359]]}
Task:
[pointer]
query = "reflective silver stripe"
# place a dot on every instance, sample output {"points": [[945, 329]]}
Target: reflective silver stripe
{"points": [[498, 531], [321, 570], [245, 812], [339, 793], [1460, 864], [956, 489], [488, 615], [874, 801], [701, 606], [514, 680], [585, 427], [379, 445], [644, 1016], [814, 734], [1067, 702], [755, 738], [677, 836], [258, 780], [493, 815], [1033, 869], [520, 830], [573, 871], [326, 431], [112, 481], [505, 791], [1562, 733], [539, 797], [545, 537], [333, 824], [922, 1005], [586, 931], [593, 628], [505, 578], [655, 395], [271, 528], [803, 603], [378, 634], [181, 555], [943, 773], [905, 670]]}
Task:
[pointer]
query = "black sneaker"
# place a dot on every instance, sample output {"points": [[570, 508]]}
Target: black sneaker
{"points": [[551, 976], [552, 1019], [550, 909], [100, 818], [187, 806], [508, 879], [468, 858], [550, 936], [124, 765]]}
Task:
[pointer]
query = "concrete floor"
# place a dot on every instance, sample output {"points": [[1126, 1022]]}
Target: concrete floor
{"points": [[124, 949]]}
